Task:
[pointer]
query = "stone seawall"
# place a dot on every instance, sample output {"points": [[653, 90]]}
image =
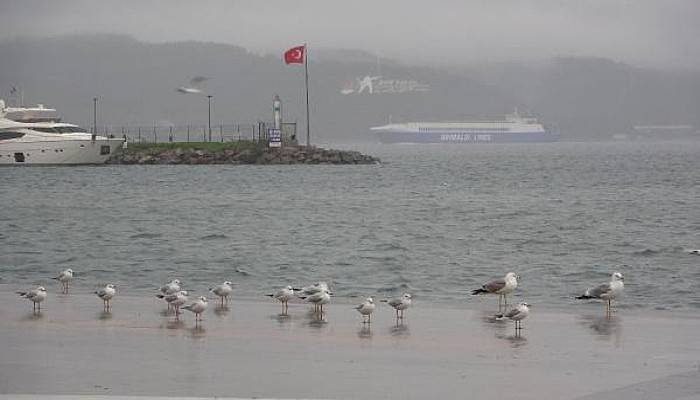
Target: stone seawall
{"points": [[235, 153]]}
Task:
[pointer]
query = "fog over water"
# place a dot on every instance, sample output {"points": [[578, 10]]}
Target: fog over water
{"points": [[640, 32]]}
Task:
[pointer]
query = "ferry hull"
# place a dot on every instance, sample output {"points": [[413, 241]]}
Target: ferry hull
{"points": [[423, 137]]}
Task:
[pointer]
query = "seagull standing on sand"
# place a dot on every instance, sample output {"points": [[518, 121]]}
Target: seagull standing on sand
{"points": [[223, 291], [106, 294], [65, 277], [197, 308], [366, 309], [283, 295], [607, 291], [517, 314], [176, 300], [315, 288], [171, 287], [501, 287], [36, 296], [318, 299], [400, 304]]}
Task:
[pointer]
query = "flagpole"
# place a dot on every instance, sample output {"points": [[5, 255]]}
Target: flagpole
{"points": [[306, 75]]}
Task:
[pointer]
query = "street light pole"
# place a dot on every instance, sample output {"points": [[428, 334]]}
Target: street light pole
{"points": [[94, 115], [209, 97]]}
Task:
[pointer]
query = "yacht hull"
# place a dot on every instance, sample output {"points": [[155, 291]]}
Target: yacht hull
{"points": [[53, 152]]}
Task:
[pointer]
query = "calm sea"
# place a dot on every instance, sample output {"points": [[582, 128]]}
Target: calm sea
{"points": [[432, 220]]}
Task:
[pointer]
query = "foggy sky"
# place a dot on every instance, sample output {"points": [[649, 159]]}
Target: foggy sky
{"points": [[640, 32]]}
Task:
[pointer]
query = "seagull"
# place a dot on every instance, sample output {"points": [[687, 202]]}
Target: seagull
{"points": [[693, 251], [315, 288], [36, 296], [400, 304], [366, 309], [65, 277], [501, 287], [193, 88], [283, 295], [171, 287], [318, 299], [607, 291], [222, 291], [176, 300], [517, 314], [197, 308], [106, 294]]}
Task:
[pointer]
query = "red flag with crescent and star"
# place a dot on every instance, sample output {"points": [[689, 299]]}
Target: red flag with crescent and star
{"points": [[295, 55]]}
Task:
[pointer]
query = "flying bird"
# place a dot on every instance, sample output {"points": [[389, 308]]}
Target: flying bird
{"points": [[193, 88]]}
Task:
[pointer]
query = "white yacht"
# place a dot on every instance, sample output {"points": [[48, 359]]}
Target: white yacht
{"points": [[36, 135]]}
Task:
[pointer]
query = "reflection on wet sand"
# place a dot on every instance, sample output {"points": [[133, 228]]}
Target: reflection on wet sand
{"points": [[365, 332], [515, 340], [603, 327], [33, 316], [221, 311], [198, 332], [400, 330], [174, 324], [104, 315], [502, 330]]}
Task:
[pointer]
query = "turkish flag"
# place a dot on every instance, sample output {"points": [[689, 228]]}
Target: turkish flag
{"points": [[295, 55]]}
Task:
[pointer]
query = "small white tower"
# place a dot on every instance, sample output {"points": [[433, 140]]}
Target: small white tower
{"points": [[277, 112]]}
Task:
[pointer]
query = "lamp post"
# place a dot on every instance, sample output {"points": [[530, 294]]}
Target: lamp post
{"points": [[209, 98], [94, 115]]}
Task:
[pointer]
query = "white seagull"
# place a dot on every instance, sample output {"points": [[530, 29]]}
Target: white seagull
{"points": [[171, 287], [400, 304], [36, 296], [315, 288], [283, 295], [194, 86], [517, 314], [318, 299], [197, 308], [176, 300], [65, 277], [501, 287], [223, 291], [366, 309], [607, 291], [106, 294]]}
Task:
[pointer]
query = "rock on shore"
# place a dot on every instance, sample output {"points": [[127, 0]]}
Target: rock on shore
{"points": [[235, 153]]}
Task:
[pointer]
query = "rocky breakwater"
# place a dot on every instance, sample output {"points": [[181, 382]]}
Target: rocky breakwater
{"points": [[234, 153]]}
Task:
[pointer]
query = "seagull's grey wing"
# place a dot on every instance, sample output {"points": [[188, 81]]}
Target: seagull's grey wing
{"points": [[197, 80], [495, 285], [512, 313], [599, 290], [395, 302]]}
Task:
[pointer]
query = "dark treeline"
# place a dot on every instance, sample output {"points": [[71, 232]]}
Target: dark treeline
{"points": [[587, 98]]}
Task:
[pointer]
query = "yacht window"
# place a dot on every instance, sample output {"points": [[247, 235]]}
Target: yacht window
{"points": [[10, 135], [104, 150], [19, 157], [45, 130]]}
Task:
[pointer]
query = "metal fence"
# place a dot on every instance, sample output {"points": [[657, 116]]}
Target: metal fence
{"points": [[200, 133]]}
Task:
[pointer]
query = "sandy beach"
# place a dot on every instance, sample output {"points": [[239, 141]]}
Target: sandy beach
{"points": [[249, 351]]}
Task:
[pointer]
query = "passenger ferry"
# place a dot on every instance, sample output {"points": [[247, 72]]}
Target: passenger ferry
{"points": [[512, 128]]}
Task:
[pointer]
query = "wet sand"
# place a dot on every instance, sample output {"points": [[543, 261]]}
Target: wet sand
{"points": [[248, 350]]}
